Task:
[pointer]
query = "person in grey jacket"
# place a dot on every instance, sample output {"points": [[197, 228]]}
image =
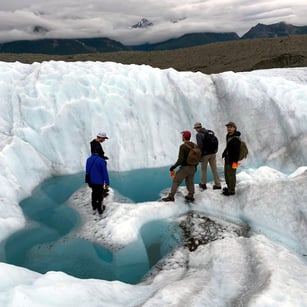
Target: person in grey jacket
{"points": [[208, 157]]}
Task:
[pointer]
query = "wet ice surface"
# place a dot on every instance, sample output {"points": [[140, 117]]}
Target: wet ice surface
{"points": [[192, 223], [218, 260], [194, 230], [199, 230]]}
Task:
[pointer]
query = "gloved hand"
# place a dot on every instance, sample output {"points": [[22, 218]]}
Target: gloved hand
{"points": [[172, 168], [235, 165], [106, 158]]}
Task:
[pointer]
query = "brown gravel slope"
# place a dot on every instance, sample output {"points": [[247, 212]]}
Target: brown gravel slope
{"points": [[243, 55]]}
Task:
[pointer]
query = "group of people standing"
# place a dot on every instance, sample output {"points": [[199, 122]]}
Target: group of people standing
{"points": [[98, 179], [187, 172]]}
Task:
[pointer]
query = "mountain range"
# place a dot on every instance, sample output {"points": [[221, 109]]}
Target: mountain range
{"points": [[98, 45]]}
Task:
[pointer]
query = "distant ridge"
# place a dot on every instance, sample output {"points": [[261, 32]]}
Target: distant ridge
{"points": [[275, 30], [239, 55], [63, 46], [98, 45], [189, 40], [94, 45]]}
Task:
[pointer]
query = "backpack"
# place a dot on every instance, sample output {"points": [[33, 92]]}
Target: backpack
{"points": [[210, 143], [194, 154], [243, 151]]}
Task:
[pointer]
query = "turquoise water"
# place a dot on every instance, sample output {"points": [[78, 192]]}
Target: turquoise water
{"points": [[41, 249], [145, 184], [41, 245]]}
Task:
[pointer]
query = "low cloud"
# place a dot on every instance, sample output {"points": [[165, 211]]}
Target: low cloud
{"points": [[31, 19]]}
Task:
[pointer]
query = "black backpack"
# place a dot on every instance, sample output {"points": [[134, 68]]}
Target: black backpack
{"points": [[210, 143]]}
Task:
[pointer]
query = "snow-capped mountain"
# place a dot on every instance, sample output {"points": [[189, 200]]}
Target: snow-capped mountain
{"points": [[143, 23]]}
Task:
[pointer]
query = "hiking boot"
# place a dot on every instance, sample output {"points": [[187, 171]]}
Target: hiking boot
{"points": [[102, 209], [217, 187], [189, 198], [168, 198], [225, 190], [203, 186], [228, 193]]}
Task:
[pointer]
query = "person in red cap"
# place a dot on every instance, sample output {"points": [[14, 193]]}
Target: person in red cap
{"points": [[186, 171]]}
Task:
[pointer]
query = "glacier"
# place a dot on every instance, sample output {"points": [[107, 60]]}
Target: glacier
{"points": [[51, 110]]}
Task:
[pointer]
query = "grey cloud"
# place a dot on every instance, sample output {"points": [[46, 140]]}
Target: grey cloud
{"points": [[114, 18]]}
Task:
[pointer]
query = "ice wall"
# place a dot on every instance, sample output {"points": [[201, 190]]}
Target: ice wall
{"points": [[51, 110]]}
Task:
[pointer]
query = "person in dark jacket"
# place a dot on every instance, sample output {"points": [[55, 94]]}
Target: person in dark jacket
{"points": [[186, 171], [231, 155], [96, 145], [99, 180], [208, 157]]}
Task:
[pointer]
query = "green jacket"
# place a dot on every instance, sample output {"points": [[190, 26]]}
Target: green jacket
{"points": [[183, 154]]}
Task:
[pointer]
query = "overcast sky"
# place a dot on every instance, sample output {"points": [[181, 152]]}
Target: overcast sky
{"points": [[114, 18]]}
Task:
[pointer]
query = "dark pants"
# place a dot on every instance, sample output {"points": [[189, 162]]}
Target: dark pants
{"points": [[97, 196], [230, 177], [187, 173]]}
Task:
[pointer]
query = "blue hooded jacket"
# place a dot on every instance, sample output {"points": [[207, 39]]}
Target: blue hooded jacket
{"points": [[96, 167]]}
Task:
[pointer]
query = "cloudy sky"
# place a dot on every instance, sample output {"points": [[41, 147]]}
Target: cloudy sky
{"points": [[33, 19]]}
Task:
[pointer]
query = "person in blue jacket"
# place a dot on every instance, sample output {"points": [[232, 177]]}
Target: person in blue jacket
{"points": [[96, 168]]}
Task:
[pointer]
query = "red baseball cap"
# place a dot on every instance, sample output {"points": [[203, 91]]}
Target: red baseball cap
{"points": [[186, 134]]}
